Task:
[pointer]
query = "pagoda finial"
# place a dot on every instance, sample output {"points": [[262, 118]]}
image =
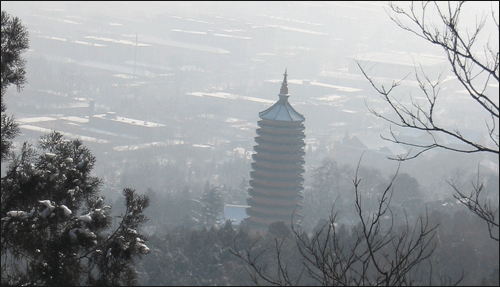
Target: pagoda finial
{"points": [[284, 85]]}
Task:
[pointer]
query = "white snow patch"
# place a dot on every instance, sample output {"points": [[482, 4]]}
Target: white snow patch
{"points": [[45, 203], [67, 211], [51, 155], [86, 218], [17, 213]]}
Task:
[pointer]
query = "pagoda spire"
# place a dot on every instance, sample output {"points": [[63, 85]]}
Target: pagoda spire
{"points": [[284, 85]]}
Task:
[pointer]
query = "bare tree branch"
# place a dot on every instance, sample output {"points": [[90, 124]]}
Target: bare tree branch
{"points": [[376, 253], [482, 207], [473, 72]]}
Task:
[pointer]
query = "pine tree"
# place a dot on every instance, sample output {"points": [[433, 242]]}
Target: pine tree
{"points": [[55, 226], [14, 43], [212, 205]]}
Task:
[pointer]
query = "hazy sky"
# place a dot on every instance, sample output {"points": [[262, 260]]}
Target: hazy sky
{"points": [[238, 9], [224, 7]]}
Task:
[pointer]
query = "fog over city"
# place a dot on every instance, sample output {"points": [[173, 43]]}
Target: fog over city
{"points": [[169, 97]]}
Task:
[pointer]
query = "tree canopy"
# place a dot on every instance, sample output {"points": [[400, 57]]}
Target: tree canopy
{"points": [[14, 43]]}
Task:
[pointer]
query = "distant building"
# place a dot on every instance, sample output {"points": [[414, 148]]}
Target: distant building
{"points": [[128, 128], [397, 65], [276, 179], [235, 213]]}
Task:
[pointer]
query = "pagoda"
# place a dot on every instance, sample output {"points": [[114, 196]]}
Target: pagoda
{"points": [[276, 177]]}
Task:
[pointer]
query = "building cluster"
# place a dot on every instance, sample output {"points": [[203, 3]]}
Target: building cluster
{"points": [[151, 85]]}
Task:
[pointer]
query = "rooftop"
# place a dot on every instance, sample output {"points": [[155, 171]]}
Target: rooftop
{"points": [[69, 135], [223, 95], [117, 41], [324, 85], [128, 120], [282, 110], [401, 58], [35, 120], [183, 45], [235, 213]]}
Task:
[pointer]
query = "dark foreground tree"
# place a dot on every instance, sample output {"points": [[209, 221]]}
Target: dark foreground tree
{"points": [[56, 227], [14, 43], [474, 60]]}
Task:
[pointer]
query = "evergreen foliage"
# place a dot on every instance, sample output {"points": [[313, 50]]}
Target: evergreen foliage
{"points": [[14, 43], [55, 226], [212, 205]]}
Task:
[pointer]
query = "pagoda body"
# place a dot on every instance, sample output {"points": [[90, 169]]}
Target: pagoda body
{"points": [[276, 179]]}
